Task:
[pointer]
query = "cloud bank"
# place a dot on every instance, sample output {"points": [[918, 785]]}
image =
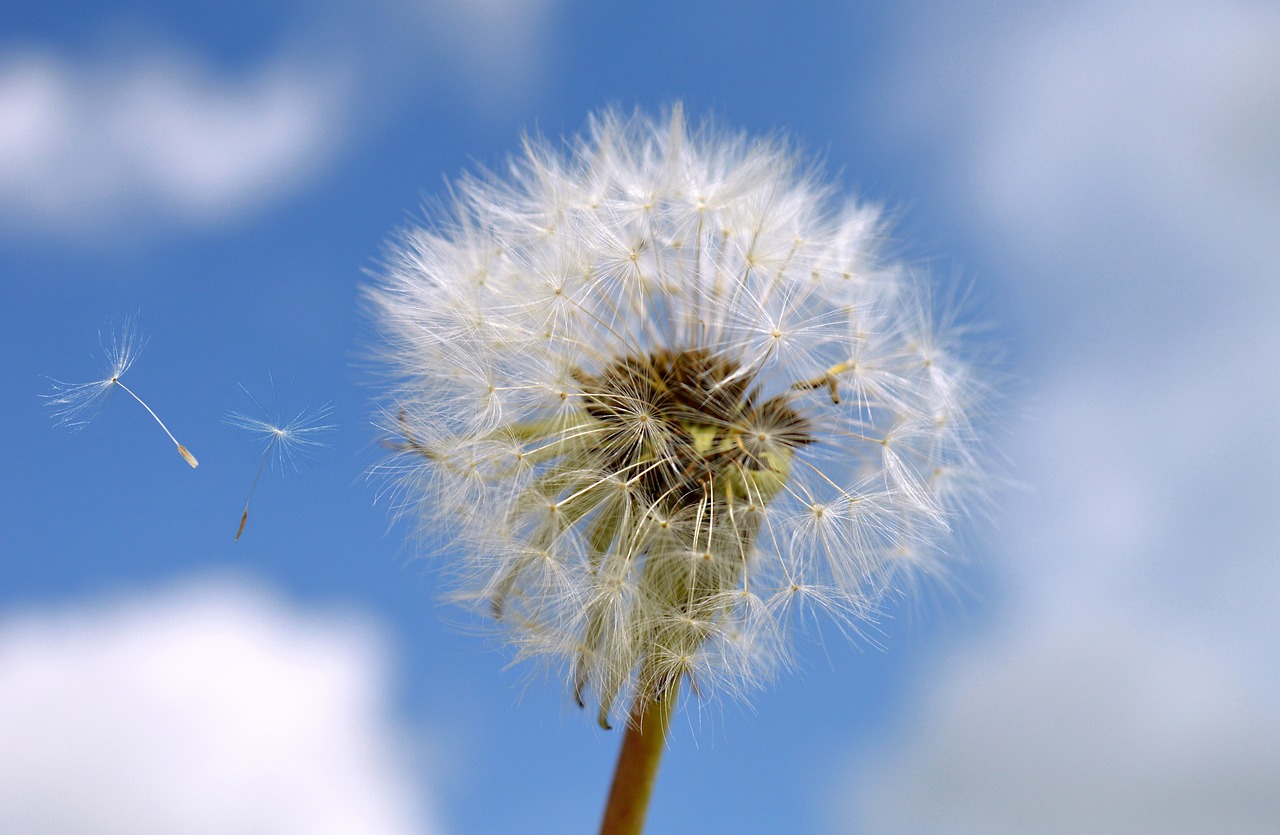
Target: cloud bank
{"points": [[1119, 163], [210, 708]]}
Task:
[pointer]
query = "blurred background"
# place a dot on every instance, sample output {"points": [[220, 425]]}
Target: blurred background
{"points": [[1101, 180]]}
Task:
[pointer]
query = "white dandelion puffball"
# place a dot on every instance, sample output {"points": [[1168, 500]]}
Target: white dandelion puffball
{"points": [[665, 395]]}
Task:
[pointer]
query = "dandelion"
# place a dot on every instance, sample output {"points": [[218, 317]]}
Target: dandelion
{"points": [[283, 438], [670, 397], [75, 404]]}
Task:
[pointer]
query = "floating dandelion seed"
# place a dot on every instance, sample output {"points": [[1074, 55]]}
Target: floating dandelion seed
{"points": [[670, 398], [74, 405], [284, 438]]}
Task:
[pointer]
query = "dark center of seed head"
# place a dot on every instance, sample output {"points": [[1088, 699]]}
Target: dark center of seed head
{"points": [[679, 422]]}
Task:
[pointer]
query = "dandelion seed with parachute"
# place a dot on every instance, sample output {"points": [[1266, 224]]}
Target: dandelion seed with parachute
{"points": [[284, 438], [671, 399], [74, 405]]}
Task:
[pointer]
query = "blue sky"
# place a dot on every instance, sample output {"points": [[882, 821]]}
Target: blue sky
{"points": [[1101, 178]]}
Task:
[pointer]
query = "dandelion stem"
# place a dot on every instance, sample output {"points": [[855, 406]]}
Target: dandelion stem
{"points": [[637, 767], [183, 451], [245, 516]]}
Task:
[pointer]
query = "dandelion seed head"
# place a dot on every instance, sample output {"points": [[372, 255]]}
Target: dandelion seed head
{"points": [[671, 397]]}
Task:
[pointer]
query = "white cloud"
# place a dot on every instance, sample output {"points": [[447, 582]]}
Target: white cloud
{"points": [[1114, 154], [87, 147], [206, 709], [1099, 726], [1148, 137], [1157, 493]]}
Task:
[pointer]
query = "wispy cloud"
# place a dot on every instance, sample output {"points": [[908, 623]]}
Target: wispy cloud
{"points": [[206, 708], [91, 146], [497, 49], [87, 146]]}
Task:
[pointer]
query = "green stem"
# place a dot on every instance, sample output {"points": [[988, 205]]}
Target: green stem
{"points": [[638, 762]]}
